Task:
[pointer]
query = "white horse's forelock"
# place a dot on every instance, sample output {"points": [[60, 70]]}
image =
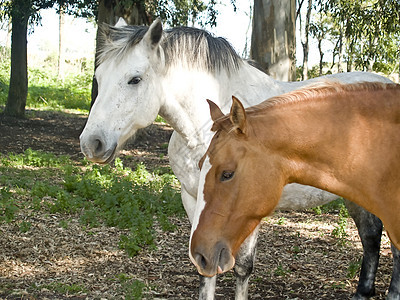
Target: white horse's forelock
{"points": [[195, 48]]}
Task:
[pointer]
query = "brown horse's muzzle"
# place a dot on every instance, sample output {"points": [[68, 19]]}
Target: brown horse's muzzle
{"points": [[212, 260]]}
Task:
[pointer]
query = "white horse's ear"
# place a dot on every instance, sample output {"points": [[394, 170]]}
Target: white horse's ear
{"points": [[238, 116], [121, 22], [153, 35], [215, 111]]}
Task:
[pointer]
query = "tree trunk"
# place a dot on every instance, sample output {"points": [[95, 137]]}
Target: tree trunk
{"points": [[18, 90], [105, 15], [321, 57], [340, 51], [61, 54], [9, 29], [305, 43], [273, 40]]}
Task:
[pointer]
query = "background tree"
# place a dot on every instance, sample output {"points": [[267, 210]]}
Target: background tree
{"points": [[319, 29], [305, 37], [61, 54], [365, 33], [273, 41], [22, 13]]}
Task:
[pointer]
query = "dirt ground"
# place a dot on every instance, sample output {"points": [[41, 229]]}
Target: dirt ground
{"points": [[298, 258]]}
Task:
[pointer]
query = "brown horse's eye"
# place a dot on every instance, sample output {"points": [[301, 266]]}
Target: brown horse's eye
{"points": [[227, 175]]}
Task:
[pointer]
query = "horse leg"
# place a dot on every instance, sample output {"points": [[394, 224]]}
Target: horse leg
{"points": [[244, 265], [394, 288], [207, 287], [370, 230]]}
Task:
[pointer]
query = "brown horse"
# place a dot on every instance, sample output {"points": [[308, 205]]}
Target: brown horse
{"points": [[341, 138]]}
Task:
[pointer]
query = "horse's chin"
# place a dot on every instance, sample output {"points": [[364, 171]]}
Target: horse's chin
{"points": [[106, 158], [112, 155]]}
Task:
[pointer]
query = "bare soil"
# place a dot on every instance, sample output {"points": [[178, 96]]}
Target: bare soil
{"points": [[298, 258]]}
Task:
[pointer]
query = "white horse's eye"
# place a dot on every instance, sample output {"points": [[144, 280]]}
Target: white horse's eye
{"points": [[135, 80]]}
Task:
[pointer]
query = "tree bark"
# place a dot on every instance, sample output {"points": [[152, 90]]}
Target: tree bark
{"points": [[273, 40], [61, 56], [321, 57], [305, 44], [18, 90], [340, 51], [9, 29]]}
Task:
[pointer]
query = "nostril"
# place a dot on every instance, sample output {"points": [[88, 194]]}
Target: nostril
{"points": [[201, 260], [98, 146]]}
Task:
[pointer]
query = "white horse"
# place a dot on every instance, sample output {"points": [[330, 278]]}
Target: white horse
{"points": [[147, 71]]}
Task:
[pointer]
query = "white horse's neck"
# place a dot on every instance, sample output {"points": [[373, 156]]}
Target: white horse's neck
{"points": [[186, 90]]}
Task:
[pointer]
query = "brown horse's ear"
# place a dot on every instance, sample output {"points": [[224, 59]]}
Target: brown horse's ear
{"points": [[238, 116]]}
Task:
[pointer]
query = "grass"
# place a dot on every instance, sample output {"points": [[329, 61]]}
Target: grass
{"points": [[100, 195], [48, 92]]}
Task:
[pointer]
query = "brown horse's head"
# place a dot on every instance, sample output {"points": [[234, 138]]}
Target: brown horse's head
{"points": [[236, 191]]}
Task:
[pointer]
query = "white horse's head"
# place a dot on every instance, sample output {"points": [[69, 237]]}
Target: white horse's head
{"points": [[144, 71], [126, 76]]}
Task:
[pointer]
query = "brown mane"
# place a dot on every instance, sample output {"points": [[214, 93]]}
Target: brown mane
{"points": [[307, 93], [320, 90]]}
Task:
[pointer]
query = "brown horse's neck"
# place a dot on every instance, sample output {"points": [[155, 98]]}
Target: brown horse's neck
{"points": [[346, 142]]}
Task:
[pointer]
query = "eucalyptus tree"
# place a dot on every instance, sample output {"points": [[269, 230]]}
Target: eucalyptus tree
{"points": [[23, 13], [319, 29], [273, 41], [366, 33]]}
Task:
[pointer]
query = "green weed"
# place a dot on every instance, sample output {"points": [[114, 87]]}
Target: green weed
{"points": [[64, 288], [281, 271], [333, 206], [281, 221], [8, 206], [340, 230], [114, 196], [354, 268], [25, 226], [47, 91], [133, 288]]}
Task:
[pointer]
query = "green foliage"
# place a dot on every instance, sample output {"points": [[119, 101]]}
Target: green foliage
{"points": [[367, 32], [47, 91], [8, 207], [340, 230], [333, 206], [133, 288], [281, 221], [338, 207], [281, 270], [354, 268], [63, 288], [25, 226], [114, 196]]}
